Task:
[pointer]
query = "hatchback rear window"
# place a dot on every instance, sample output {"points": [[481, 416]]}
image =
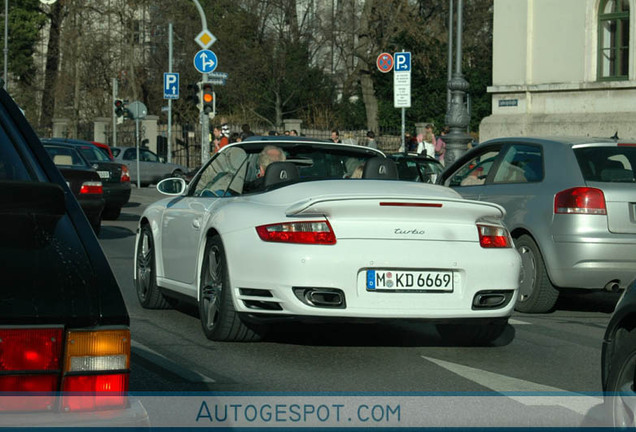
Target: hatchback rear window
{"points": [[607, 163]]}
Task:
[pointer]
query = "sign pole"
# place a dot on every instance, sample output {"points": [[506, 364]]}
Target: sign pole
{"points": [[205, 130], [170, 100], [115, 90], [137, 144]]}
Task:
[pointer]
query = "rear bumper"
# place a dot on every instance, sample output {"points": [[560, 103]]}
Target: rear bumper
{"points": [[134, 415], [116, 195], [92, 207], [590, 263]]}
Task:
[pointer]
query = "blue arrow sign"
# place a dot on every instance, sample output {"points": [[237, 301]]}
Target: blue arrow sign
{"points": [[205, 61], [170, 85]]}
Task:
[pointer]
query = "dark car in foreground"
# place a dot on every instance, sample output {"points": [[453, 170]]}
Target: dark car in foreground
{"points": [[569, 207], [416, 167], [64, 328], [83, 181], [618, 361], [115, 176]]}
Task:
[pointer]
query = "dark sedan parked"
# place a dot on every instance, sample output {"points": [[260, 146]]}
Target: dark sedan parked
{"points": [[115, 176], [64, 327], [83, 181]]}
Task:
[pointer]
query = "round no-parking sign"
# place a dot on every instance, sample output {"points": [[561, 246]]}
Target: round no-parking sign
{"points": [[385, 62]]}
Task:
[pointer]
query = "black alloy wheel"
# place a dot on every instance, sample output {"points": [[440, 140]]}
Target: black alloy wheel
{"points": [[146, 278]]}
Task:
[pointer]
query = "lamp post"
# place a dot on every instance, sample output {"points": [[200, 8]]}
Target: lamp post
{"points": [[6, 43], [457, 117]]}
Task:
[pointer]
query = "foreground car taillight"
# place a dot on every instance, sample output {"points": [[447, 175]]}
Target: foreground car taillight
{"points": [[306, 232], [91, 188], [580, 200], [97, 365], [30, 361], [493, 236], [125, 174]]}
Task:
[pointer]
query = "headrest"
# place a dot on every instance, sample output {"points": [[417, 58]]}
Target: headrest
{"points": [[280, 172], [379, 167], [63, 159]]}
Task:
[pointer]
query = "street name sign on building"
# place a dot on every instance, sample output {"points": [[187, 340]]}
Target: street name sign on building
{"points": [[205, 39], [170, 85], [384, 62], [402, 80], [205, 61]]}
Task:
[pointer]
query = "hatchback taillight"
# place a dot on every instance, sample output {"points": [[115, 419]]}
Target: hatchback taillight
{"points": [[96, 364], [91, 188], [306, 232], [90, 367], [125, 174], [580, 200], [493, 236]]}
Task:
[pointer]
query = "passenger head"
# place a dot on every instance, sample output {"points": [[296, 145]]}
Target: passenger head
{"points": [[268, 155]]}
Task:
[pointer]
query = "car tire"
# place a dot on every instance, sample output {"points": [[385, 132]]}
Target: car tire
{"points": [[472, 334], [619, 399], [111, 213], [219, 319], [536, 292], [146, 277]]}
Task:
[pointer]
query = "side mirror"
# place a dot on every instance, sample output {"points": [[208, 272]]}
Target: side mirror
{"points": [[32, 198], [172, 186]]}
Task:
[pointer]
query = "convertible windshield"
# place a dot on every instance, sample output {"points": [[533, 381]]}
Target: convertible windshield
{"points": [[239, 169]]}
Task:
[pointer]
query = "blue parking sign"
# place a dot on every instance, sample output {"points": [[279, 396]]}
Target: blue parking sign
{"points": [[402, 62], [170, 85]]}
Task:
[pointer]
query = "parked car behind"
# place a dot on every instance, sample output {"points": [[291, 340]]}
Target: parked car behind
{"points": [[618, 362], [418, 168], [83, 181], [569, 206], [105, 148], [153, 168], [115, 176], [64, 326]]}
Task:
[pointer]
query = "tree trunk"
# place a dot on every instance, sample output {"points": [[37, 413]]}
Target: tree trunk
{"points": [[364, 68], [52, 64]]}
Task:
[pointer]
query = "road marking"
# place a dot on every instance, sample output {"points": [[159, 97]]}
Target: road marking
{"points": [[164, 362], [517, 322], [576, 402]]}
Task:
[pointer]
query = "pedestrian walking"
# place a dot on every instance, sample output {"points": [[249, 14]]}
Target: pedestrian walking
{"points": [[440, 145], [335, 136], [371, 140]]}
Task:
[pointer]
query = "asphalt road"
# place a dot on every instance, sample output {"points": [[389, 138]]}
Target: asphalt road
{"points": [[547, 352]]}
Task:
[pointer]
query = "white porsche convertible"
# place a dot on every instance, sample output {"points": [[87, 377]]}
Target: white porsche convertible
{"points": [[254, 239]]}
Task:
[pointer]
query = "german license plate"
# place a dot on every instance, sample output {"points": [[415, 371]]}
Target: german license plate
{"points": [[104, 174], [397, 280]]}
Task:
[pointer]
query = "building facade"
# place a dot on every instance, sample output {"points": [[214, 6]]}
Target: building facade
{"points": [[563, 67]]}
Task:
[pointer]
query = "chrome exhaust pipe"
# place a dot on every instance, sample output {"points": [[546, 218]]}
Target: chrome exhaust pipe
{"points": [[324, 298], [612, 286]]}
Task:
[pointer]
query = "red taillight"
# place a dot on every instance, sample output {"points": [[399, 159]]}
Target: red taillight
{"points": [[125, 174], [309, 232], [91, 188], [97, 363], [30, 349], [580, 200], [492, 236], [94, 391]]}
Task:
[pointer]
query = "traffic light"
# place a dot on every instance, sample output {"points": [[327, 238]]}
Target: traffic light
{"points": [[207, 97], [119, 108], [194, 93]]}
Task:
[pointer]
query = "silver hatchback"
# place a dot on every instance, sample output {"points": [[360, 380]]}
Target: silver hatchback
{"points": [[571, 209]]}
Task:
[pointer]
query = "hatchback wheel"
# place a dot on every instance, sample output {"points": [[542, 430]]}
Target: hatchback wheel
{"points": [[219, 319], [146, 281], [536, 292], [620, 399]]}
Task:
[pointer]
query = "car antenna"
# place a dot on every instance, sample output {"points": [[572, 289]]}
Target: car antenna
{"points": [[615, 136]]}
